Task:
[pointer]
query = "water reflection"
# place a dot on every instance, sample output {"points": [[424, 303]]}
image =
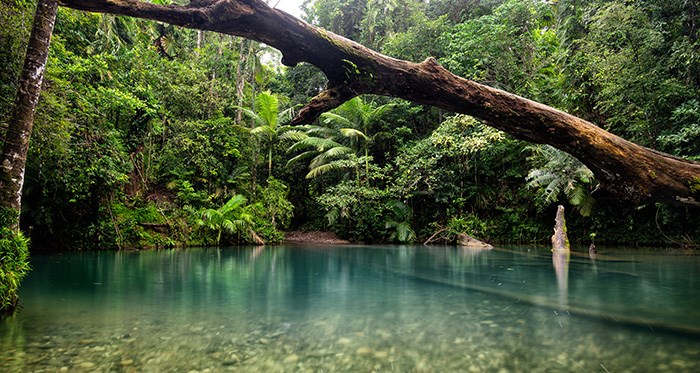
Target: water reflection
{"points": [[436, 307], [560, 260], [265, 279]]}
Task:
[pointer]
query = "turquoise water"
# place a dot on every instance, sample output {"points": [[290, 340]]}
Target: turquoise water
{"points": [[355, 308]]}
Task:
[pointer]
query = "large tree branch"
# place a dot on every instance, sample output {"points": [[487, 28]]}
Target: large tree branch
{"points": [[627, 170]]}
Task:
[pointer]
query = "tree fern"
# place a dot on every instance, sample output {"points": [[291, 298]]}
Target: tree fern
{"points": [[558, 176]]}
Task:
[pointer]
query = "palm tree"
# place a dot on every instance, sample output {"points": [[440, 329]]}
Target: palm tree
{"points": [[234, 217], [266, 119], [354, 119], [335, 145], [114, 33], [325, 146]]}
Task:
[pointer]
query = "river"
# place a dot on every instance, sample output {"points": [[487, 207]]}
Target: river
{"points": [[356, 309]]}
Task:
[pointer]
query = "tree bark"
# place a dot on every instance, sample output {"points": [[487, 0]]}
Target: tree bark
{"points": [[627, 170], [14, 155], [560, 240], [240, 81]]}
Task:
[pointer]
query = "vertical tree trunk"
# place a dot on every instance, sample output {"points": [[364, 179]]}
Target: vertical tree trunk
{"points": [[240, 81], [14, 152], [560, 240]]}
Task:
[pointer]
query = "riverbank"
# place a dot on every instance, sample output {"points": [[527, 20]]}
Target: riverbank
{"points": [[314, 237]]}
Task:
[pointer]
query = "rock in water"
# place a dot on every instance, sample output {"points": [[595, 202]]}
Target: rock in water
{"points": [[560, 241], [466, 240]]}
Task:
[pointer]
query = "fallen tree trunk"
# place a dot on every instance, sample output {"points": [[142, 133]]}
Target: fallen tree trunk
{"points": [[627, 170]]}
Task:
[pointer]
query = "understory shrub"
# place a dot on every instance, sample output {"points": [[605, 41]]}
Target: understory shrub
{"points": [[14, 262]]}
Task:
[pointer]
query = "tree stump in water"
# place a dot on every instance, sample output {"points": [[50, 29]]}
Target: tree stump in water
{"points": [[560, 241]]}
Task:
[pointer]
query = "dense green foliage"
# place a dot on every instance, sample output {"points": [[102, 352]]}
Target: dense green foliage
{"points": [[153, 136], [14, 261]]}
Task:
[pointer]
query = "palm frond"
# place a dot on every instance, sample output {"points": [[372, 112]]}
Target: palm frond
{"points": [[329, 155], [338, 151], [401, 210], [352, 133], [586, 204], [319, 130], [333, 118], [211, 215], [229, 226], [379, 111], [332, 216], [404, 232], [232, 204], [294, 135], [321, 144], [267, 107], [257, 120], [301, 156], [325, 168], [263, 130], [286, 115]]}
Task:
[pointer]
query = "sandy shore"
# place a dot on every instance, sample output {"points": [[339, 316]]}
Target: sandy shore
{"points": [[314, 238]]}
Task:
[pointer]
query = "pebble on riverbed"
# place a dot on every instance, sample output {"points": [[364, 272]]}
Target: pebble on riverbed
{"points": [[463, 341]]}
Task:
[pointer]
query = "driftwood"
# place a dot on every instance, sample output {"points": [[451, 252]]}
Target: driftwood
{"points": [[628, 171], [433, 237]]}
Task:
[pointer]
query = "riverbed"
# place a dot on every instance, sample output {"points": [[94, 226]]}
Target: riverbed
{"points": [[356, 309]]}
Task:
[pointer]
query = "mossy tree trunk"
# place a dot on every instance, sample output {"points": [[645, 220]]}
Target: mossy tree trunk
{"points": [[16, 145], [14, 254], [627, 170]]}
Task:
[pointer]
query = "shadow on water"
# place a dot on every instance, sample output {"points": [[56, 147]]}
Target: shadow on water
{"points": [[606, 279]]}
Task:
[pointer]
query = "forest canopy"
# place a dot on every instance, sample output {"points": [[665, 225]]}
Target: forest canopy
{"points": [[151, 135]]}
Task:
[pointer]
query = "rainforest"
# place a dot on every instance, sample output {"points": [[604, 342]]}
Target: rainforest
{"points": [[150, 135], [218, 185]]}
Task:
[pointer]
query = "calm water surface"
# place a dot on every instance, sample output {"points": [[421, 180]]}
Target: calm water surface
{"points": [[381, 308]]}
